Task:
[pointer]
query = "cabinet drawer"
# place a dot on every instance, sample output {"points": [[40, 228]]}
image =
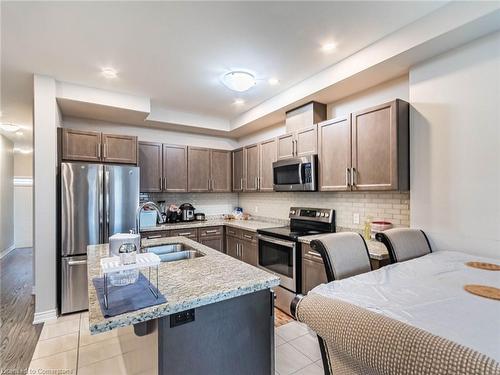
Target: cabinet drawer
{"points": [[210, 232], [233, 232], [189, 233], [248, 236], [309, 253], [153, 235]]}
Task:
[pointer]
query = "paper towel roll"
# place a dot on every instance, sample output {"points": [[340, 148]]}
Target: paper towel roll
{"points": [[116, 240]]}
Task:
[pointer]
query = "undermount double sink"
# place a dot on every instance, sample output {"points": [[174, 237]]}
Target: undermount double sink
{"points": [[174, 252]]}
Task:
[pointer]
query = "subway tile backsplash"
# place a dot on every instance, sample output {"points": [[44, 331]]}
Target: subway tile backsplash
{"points": [[208, 203], [393, 207]]}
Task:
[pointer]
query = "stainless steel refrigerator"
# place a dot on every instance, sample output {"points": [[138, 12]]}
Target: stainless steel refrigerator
{"points": [[97, 201]]}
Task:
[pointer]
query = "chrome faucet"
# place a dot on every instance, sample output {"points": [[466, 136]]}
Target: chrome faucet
{"points": [[138, 214]]}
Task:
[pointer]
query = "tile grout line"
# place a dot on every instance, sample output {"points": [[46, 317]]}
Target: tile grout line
{"points": [[78, 344]]}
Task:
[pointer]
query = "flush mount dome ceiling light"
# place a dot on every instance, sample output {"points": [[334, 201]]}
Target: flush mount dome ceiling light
{"points": [[239, 81]]}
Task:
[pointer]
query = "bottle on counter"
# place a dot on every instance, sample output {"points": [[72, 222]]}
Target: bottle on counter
{"points": [[367, 233]]}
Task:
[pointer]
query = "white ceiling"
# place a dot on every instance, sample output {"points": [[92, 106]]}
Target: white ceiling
{"points": [[175, 52]]}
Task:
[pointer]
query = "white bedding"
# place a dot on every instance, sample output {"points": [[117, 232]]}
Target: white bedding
{"points": [[428, 293]]}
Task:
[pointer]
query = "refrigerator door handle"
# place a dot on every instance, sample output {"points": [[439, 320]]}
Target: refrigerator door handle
{"points": [[101, 206], [106, 205]]}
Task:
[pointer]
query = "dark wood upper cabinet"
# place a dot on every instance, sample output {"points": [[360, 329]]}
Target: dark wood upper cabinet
{"points": [[252, 168], [198, 169], [119, 149], [175, 168], [380, 147], [306, 141], [220, 171], [150, 163], [298, 143], [238, 169], [334, 154], [268, 155], [81, 145], [286, 146]]}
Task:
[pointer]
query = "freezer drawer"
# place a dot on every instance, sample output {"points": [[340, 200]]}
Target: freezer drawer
{"points": [[74, 291]]}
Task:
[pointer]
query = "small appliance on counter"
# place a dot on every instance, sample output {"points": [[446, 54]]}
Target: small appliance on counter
{"points": [[119, 239], [187, 212], [148, 219], [199, 216], [173, 214]]}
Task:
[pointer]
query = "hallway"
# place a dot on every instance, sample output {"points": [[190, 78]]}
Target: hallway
{"points": [[18, 336]]}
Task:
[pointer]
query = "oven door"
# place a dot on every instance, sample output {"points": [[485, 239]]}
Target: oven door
{"points": [[279, 257]]}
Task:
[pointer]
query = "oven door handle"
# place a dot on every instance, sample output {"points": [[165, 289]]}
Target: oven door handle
{"points": [[277, 241]]}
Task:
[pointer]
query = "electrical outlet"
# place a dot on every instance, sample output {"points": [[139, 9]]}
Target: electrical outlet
{"points": [[355, 218], [256, 209]]}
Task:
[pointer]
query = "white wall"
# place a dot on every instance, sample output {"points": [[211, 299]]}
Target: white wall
{"points": [[385, 92], [6, 196], [46, 120], [23, 200], [151, 134], [455, 148]]}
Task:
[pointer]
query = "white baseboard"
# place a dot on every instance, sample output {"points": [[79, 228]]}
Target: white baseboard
{"points": [[44, 316], [24, 244], [6, 251]]}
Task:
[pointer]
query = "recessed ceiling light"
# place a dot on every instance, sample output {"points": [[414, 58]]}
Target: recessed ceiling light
{"points": [[109, 73], [239, 81], [328, 47], [239, 102], [273, 81], [9, 128], [23, 150], [19, 133]]}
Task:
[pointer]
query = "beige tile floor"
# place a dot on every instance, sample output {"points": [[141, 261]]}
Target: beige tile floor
{"points": [[66, 345]]}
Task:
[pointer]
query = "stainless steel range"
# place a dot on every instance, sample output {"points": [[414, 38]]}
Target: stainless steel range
{"points": [[280, 250]]}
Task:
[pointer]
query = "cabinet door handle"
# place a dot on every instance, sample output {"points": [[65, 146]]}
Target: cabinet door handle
{"points": [[248, 236], [105, 150], [354, 177], [161, 184], [347, 177], [211, 231], [241, 183], [98, 150], [314, 254], [153, 237], [255, 183], [296, 148], [185, 234], [165, 183]]}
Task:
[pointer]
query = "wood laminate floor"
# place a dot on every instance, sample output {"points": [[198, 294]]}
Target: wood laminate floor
{"points": [[18, 335]]}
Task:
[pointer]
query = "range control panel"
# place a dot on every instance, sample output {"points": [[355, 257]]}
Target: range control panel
{"points": [[313, 214]]}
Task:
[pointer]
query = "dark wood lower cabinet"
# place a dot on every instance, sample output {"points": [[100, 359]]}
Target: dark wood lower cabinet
{"points": [[313, 269], [216, 243]]}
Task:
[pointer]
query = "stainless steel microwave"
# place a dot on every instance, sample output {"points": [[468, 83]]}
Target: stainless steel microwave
{"points": [[295, 174]]}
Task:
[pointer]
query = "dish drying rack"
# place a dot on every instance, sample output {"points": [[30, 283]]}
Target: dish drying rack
{"points": [[143, 260]]}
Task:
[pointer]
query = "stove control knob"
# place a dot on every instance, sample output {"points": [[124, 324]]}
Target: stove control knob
{"points": [[292, 212], [327, 214], [322, 214], [317, 213]]}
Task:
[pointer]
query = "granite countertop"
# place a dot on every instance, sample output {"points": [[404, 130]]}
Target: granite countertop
{"points": [[377, 250], [185, 284], [250, 225]]}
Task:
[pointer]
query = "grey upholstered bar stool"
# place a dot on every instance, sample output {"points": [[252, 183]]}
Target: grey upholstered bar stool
{"points": [[344, 254], [404, 243]]}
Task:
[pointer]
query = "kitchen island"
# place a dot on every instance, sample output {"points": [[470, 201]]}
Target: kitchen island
{"points": [[218, 317]]}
